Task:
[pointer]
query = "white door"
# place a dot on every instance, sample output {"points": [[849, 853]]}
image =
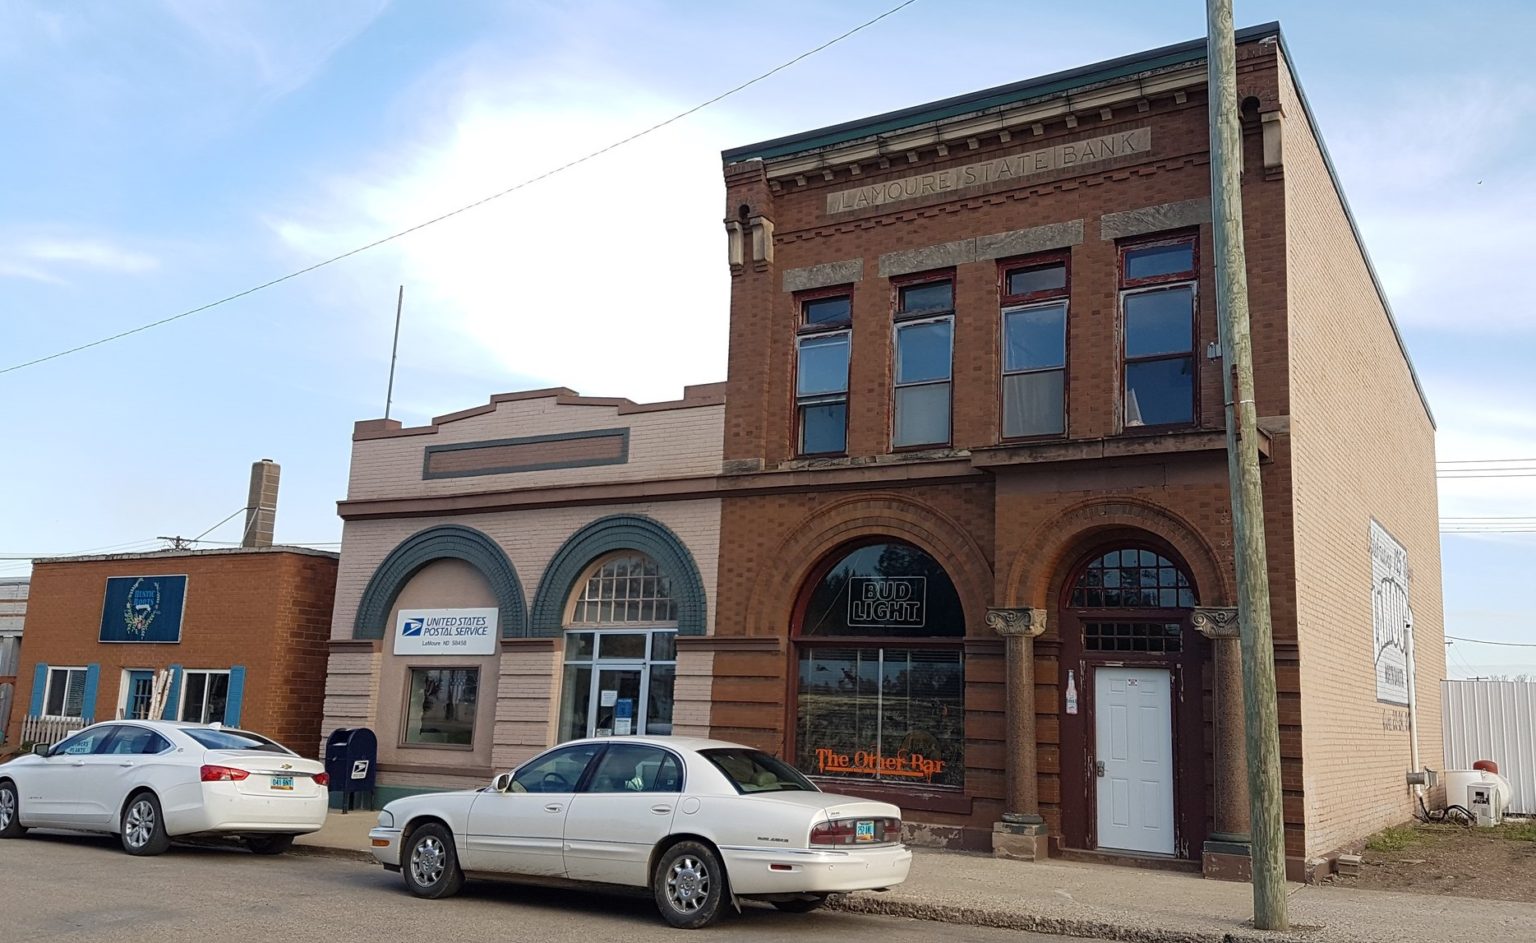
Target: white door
{"points": [[65, 788], [626, 808], [1134, 741], [520, 831]]}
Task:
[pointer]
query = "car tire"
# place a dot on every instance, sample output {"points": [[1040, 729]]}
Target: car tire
{"points": [[801, 905], [689, 885], [10, 811], [429, 863], [269, 844], [143, 826]]}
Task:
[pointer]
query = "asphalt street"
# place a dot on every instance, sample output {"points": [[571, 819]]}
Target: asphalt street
{"points": [[83, 888]]}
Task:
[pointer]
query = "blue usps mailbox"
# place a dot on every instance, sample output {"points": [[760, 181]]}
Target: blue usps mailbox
{"points": [[351, 762]]}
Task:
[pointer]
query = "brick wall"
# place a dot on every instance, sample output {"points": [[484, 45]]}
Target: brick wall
{"points": [[263, 610], [1364, 449]]}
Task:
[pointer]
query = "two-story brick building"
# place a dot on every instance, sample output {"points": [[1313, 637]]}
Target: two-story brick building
{"points": [[977, 554]]}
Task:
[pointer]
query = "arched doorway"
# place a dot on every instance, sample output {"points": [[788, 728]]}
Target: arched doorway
{"points": [[620, 649], [878, 694], [1133, 778]]}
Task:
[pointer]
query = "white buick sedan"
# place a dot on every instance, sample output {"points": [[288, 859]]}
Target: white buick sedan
{"points": [[151, 781], [700, 823]]}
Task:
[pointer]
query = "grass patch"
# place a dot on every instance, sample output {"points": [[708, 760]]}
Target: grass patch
{"points": [[1395, 838], [1521, 830]]}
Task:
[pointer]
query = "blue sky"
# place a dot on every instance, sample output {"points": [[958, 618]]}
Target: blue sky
{"points": [[160, 155]]}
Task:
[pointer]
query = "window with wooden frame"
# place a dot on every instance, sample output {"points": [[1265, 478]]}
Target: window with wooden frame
{"points": [[923, 342], [1158, 304], [1034, 323], [821, 372]]}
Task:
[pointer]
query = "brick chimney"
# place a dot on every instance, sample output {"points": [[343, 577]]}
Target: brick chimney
{"points": [[261, 505]]}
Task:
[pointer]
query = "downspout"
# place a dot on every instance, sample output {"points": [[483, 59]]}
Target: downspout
{"points": [[1413, 714]]}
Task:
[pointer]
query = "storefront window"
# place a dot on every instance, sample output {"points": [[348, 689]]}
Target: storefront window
{"points": [[442, 705], [204, 696], [620, 651], [881, 680]]}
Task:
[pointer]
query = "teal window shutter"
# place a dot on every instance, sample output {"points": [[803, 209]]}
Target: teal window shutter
{"points": [[88, 702], [236, 693], [173, 700], [39, 689]]}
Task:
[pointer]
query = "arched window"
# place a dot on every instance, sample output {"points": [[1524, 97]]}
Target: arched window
{"points": [[881, 685], [620, 650], [1145, 587]]}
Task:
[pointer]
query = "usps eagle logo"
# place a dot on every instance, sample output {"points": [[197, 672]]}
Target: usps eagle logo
{"points": [[142, 607], [412, 628]]}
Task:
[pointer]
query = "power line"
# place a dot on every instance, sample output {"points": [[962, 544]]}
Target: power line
{"points": [[215, 527], [463, 209], [1483, 641], [1484, 461]]}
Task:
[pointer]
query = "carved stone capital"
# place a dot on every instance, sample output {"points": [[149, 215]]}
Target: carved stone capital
{"points": [[1215, 622], [1022, 622]]}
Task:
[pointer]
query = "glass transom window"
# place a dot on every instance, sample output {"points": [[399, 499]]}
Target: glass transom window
{"points": [[1132, 579], [620, 651]]}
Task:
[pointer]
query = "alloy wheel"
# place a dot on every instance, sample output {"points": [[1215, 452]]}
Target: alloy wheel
{"points": [[7, 807], [427, 861], [140, 823], [688, 884]]}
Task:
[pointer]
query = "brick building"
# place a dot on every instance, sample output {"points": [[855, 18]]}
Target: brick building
{"points": [[956, 532], [975, 548], [235, 636], [525, 572]]}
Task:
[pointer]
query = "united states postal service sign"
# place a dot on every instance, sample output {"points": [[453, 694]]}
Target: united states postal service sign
{"points": [[1389, 616], [446, 632]]}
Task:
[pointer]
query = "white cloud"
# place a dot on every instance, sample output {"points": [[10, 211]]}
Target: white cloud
{"points": [[610, 277], [90, 253]]}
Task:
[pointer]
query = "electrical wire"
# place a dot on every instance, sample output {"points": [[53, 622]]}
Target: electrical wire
{"points": [[463, 209], [1483, 641]]}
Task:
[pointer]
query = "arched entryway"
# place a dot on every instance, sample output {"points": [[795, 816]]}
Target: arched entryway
{"points": [[878, 672], [1133, 757]]}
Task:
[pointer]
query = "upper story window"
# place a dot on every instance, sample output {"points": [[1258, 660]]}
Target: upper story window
{"points": [[821, 373], [924, 345], [1158, 304], [1035, 347]]}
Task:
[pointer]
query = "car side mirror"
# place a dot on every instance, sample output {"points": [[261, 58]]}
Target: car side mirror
{"points": [[42, 749], [502, 783]]}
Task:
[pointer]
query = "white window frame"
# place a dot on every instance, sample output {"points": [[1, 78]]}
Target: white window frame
{"points": [[64, 703], [1066, 313], [897, 386], [181, 707]]}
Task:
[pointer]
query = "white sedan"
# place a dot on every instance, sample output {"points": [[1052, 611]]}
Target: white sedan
{"points": [[697, 822], [149, 781]]}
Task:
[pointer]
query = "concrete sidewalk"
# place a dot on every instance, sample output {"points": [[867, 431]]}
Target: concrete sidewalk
{"points": [[1106, 902]]}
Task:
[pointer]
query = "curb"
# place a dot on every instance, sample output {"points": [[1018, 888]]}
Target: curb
{"points": [[1059, 926], [328, 851]]}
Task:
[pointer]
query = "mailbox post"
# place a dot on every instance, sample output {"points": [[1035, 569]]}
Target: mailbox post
{"points": [[352, 761]]}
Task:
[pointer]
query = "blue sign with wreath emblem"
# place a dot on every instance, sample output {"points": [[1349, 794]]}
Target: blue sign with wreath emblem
{"points": [[143, 609]]}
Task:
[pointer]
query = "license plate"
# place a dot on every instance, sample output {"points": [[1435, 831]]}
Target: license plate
{"points": [[286, 782], [864, 831]]}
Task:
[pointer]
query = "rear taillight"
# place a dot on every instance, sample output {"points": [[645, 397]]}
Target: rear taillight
{"points": [[222, 774], [846, 832], [322, 779]]}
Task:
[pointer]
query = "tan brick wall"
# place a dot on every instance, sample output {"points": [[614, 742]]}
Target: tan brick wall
{"points": [[694, 694], [671, 443], [265, 611], [1364, 448], [351, 691], [527, 703]]}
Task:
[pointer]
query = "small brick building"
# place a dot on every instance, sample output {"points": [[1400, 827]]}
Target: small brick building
{"points": [[235, 636]]}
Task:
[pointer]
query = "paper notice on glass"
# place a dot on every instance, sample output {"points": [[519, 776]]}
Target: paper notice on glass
{"points": [[607, 698], [621, 726]]}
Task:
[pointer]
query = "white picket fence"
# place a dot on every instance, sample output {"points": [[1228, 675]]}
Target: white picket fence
{"points": [[1494, 720], [35, 729]]}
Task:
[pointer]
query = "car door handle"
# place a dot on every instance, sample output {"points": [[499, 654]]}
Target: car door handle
{"points": [[553, 807], [125, 764], [78, 763], [661, 809]]}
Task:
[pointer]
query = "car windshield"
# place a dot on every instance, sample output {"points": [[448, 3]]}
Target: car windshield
{"points": [[234, 740], [755, 771]]}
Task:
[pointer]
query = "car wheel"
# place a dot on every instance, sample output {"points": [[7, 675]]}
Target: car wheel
{"points": [[801, 905], [689, 885], [10, 812], [430, 865], [143, 826], [268, 844]]}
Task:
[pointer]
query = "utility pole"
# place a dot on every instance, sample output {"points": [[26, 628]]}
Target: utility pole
{"points": [[1259, 713]]}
